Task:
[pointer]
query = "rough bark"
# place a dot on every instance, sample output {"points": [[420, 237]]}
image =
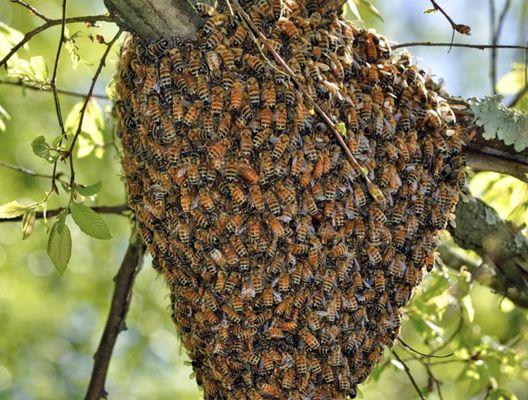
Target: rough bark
{"points": [[501, 245], [156, 19]]}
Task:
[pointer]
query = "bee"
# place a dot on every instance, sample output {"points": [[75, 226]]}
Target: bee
{"points": [[165, 72], [239, 36], [373, 254], [177, 109], [237, 93], [277, 8], [280, 117], [280, 147], [360, 198], [153, 108], [284, 282], [253, 90], [273, 203], [269, 94], [266, 165], [185, 200], [254, 62], [309, 339], [266, 117], [257, 282], [193, 113]]}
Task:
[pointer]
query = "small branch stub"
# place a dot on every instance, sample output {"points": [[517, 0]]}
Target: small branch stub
{"points": [[155, 19]]}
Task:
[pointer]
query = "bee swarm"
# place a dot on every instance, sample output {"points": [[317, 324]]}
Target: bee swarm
{"points": [[287, 278]]}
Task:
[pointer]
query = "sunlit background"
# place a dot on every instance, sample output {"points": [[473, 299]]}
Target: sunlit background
{"points": [[50, 324]]}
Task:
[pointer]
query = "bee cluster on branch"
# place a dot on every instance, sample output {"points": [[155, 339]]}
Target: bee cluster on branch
{"points": [[287, 278]]}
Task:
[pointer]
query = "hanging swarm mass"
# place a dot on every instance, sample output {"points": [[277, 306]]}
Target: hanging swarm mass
{"points": [[287, 278]]}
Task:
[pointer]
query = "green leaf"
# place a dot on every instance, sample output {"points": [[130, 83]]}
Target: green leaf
{"points": [[33, 71], [467, 307], [12, 210], [89, 190], [352, 6], [43, 150], [59, 246], [341, 128], [8, 38], [513, 82], [3, 116], [369, 7], [90, 222], [431, 10], [28, 223], [71, 46], [501, 394], [92, 129]]}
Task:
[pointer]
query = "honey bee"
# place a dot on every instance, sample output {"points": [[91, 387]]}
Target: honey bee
{"points": [[237, 93], [193, 113], [269, 94], [310, 340], [254, 62], [256, 198], [280, 117]]}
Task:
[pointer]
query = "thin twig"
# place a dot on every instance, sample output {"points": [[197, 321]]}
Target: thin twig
{"points": [[409, 374], [495, 37], [31, 9], [117, 210], [493, 55], [451, 338], [24, 85], [467, 45], [431, 355], [56, 99], [115, 323], [446, 15], [376, 193], [29, 172], [102, 63], [52, 22]]}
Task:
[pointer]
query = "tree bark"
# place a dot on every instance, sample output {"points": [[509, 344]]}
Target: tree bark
{"points": [[156, 19], [501, 245]]}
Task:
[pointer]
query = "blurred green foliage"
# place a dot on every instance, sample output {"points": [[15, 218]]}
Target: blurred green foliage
{"points": [[51, 324]]}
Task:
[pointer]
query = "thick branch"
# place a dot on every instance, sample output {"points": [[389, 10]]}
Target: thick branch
{"points": [[499, 243], [124, 280], [156, 19]]}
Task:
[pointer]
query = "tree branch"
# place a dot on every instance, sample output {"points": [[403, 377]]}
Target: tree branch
{"points": [[118, 210], [156, 19], [115, 323], [24, 85], [52, 22], [501, 245], [466, 45]]}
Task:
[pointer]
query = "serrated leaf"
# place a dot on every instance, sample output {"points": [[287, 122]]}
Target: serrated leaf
{"points": [[89, 190], [42, 149], [12, 210], [59, 246], [90, 222], [28, 223]]}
